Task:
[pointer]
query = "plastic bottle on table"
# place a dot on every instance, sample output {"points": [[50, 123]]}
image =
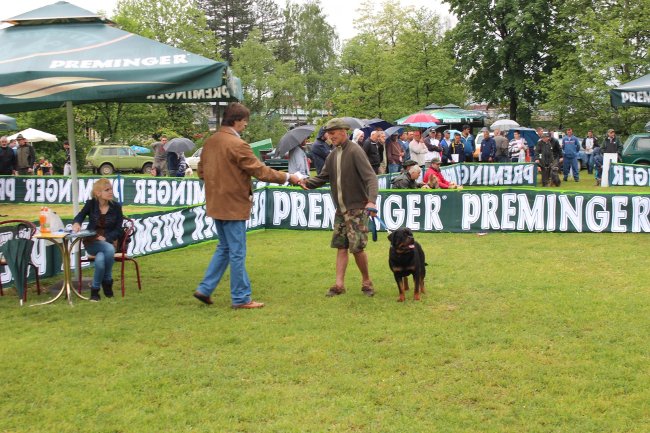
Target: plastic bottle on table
{"points": [[44, 220]]}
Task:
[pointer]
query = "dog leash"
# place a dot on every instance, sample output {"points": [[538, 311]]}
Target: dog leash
{"points": [[371, 210]]}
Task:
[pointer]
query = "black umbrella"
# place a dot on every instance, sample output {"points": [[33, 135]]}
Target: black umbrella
{"points": [[293, 138], [378, 123], [354, 123], [179, 145], [17, 253]]}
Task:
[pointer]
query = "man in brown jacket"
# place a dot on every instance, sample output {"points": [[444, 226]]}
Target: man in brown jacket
{"points": [[354, 189], [226, 166]]}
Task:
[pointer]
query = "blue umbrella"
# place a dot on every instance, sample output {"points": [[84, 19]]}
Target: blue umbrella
{"points": [[394, 130], [140, 149]]}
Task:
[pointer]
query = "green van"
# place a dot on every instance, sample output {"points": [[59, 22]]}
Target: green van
{"points": [[110, 158]]}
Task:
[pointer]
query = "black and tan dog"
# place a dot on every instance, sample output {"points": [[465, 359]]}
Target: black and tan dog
{"points": [[405, 258]]}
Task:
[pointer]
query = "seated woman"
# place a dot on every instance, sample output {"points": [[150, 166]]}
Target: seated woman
{"points": [[105, 218], [434, 179]]}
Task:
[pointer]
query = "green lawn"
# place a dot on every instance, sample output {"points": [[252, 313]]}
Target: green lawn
{"points": [[517, 333]]}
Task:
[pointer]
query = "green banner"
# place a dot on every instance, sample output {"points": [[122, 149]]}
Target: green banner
{"points": [[149, 191], [629, 175], [439, 210], [478, 174], [475, 211]]}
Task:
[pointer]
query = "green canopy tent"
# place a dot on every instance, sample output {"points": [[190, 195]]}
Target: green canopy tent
{"points": [[62, 54], [633, 94]]}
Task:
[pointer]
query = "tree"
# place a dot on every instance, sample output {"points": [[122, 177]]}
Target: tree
{"points": [[269, 85], [502, 48], [599, 45], [178, 23], [231, 21], [393, 67]]}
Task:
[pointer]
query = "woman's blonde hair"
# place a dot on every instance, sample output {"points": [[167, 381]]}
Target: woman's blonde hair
{"points": [[99, 185]]}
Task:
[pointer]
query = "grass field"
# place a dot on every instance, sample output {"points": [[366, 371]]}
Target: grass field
{"points": [[517, 333]]}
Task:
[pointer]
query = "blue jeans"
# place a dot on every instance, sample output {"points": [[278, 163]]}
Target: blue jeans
{"points": [[394, 168], [104, 253], [230, 250], [571, 164], [590, 162]]}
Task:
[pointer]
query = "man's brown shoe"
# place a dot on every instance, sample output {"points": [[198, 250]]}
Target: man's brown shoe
{"points": [[203, 298], [335, 291], [251, 304]]}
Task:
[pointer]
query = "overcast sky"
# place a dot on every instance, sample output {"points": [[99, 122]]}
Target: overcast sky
{"points": [[340, 13]]}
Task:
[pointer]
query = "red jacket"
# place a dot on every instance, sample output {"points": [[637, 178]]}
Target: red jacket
{"points": [[442, 182]]}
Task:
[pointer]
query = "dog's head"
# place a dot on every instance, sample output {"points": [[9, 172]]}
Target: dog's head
{"points": [[402, 240]]}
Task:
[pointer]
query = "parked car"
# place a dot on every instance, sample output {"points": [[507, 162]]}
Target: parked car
{"points": [[110, 158], [193, 161], [277, 162], [636, 149]]}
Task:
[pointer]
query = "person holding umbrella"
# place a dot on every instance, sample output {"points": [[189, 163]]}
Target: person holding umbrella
{"points": [[176, 148], [293, 143], [226, 166]]}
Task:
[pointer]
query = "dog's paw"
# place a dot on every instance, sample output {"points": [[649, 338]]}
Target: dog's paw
{"points": [[401, 298], [416, 297]]}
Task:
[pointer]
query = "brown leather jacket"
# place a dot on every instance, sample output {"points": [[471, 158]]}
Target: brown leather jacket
{"points": [[226, 166]]}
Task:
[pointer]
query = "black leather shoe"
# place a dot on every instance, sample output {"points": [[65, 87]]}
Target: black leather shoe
{"points": [[107, 286], [203, 298]]}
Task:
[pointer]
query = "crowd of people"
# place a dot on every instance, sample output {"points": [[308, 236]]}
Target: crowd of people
{"points": [[399, 152]]}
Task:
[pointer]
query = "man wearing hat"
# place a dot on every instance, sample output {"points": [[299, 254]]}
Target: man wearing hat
{"points": [[548, 154], [25, 156], [354, 190], [408, 179], [434, 178]]}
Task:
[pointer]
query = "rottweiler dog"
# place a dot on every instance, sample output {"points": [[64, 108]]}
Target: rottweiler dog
{"points": [[405, 258]]}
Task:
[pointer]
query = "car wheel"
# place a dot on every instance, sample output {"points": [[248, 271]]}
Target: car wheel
{"points": [[106, 170], [146, 169]]}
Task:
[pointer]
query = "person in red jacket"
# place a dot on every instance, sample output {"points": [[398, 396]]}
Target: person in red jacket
{"points": [[433, 178]]}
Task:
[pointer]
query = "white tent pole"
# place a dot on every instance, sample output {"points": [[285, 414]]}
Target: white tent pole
{"points": [[73, 158], [73, 177]]}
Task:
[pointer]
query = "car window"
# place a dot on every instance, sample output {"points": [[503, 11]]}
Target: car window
{"points": [[123, 151], [111, 151], [92, 151], [643, 143]]}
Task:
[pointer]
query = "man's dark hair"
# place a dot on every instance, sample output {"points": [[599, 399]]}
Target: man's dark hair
{"points": [[234, 112]]}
